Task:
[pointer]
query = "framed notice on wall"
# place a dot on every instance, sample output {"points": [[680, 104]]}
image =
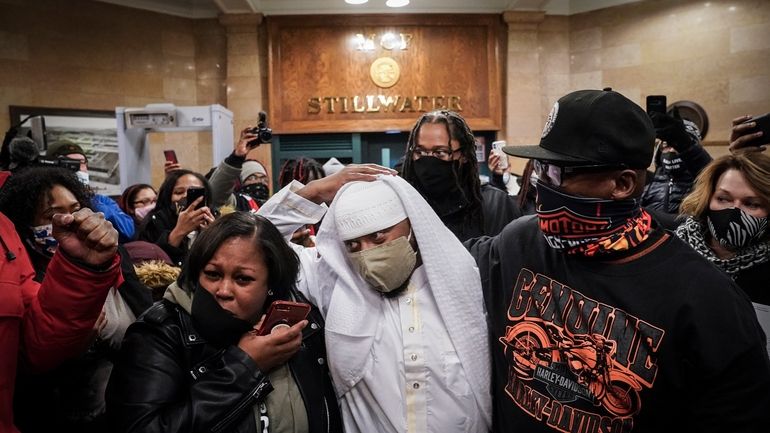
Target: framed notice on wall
{"points": [[93, 130], [376, 73]]}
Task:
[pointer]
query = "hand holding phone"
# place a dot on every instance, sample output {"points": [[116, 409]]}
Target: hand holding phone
{"points": [[497, 148], [283, 314], [170, 156], [193, 193]]}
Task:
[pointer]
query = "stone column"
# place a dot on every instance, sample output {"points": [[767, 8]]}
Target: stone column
{"points": [[522, 82], [246, 74]]}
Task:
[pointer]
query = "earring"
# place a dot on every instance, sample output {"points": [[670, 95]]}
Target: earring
{"points": [[270, 292]]}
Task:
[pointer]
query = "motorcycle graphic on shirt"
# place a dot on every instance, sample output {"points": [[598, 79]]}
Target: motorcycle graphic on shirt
{"points": [[573, 367], [576, 364]]}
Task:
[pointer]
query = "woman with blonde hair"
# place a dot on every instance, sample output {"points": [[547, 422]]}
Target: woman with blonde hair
{"points": [[727, 214]]}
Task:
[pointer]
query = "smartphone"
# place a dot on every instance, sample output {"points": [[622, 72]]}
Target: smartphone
{"points": [[656, 104], [193, 193], [283, 313], [170, 156], [763, 124], [497, 148]]}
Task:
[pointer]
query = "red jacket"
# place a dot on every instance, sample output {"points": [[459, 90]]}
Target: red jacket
{"points": [[43, 324]]}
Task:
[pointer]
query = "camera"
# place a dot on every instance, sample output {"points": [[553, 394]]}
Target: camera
{"points": [[263, 132], [69, 164]]}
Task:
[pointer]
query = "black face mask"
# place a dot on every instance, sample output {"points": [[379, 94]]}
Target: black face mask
{"points": [[257, 191], [734, 228], [218, 326], [672, 163], [435, 177]]}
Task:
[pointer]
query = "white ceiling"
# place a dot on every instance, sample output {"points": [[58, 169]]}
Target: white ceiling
{"points": [[213, 8]]}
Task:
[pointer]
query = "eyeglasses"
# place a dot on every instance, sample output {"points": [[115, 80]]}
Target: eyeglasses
{"points": [[555, 175], [442, 153]]}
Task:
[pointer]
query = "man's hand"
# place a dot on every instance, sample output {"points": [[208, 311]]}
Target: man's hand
{"points": [[323, 190], [671, 129], [742, 140], [493, 163], [86, 236], [242, 148]]}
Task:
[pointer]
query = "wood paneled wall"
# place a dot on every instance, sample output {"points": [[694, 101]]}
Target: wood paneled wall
{"points": [[319, 78]]}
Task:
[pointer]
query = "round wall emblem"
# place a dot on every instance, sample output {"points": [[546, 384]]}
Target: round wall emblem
{"points": [[385, 72]]}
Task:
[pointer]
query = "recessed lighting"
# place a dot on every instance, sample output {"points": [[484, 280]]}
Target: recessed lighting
{"points": [[356, 2], [396, 3]]}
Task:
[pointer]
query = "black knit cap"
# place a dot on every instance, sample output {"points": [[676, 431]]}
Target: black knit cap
{"points": [[594, 127]]}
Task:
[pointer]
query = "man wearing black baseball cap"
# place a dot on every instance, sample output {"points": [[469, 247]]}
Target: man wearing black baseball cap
{"points": [[600, 319]]}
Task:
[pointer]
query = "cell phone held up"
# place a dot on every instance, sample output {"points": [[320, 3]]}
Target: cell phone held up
{"points": [[656, 104], [763, 125], [170, 156], [192, 194], [283, 314]]}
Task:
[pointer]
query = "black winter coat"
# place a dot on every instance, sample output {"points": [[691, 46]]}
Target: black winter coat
{"points": [[169, 379], [665, 192]]}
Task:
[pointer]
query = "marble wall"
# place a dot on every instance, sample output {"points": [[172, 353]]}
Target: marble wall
{"points": [[92, 55], [715, 53]]}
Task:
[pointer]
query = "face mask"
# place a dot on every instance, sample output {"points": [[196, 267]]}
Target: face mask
{"points": [[435, 177], [588, 226], [386, 267], [257, 191], [672, 163], [218, 326], [44, 239], [735, 229], [143, 211], [82, 177]]}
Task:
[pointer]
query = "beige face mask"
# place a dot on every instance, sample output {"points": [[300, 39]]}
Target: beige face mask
{"points": [[386, 267]]}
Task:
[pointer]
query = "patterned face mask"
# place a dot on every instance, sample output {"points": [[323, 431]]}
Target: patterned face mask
{"points": [[44, 239], [735, 229]]}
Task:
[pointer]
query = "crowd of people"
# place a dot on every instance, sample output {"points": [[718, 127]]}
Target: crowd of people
{"points": [[623, 289]]}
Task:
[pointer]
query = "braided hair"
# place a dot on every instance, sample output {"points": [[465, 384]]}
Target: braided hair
{"points": [[301, 169], [466, 173]]}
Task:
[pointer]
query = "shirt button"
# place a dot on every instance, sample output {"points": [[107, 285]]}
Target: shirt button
{"points": [[416, 386], [313, 326], [411, 329], [414, 357], [408, 300]]}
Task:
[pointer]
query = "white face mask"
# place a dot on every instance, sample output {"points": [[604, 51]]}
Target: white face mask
{"points": [[44, 239], [143, 211], [388, 266], [82, 177]]}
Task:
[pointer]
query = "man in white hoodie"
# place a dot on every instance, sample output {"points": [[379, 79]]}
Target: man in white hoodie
{"points": [[406, 332]]}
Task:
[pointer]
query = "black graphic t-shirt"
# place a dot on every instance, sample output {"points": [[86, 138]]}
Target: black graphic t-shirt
{"points": [[658, 340]]}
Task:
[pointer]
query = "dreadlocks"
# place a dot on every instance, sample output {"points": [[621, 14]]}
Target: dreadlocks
{"points": [[301, 169], [466, 176]]}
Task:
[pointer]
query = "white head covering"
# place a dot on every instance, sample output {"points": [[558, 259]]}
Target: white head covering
{"points": [[252, 167], [367, 207], [355, 311], [332, 166]]}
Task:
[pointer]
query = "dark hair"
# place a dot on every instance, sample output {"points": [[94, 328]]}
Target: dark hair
{"points": [[126, 201], [281, 261], [164, 205], [301, 169], [466, 174], [21, 194]]}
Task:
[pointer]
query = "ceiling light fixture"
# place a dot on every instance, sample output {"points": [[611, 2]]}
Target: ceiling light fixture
{"points": [[356, 2], [396, 3]]}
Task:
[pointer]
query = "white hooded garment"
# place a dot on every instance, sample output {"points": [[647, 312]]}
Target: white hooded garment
{"points": [[362, 327]]}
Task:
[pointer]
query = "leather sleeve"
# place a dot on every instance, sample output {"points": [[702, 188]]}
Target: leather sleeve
{"points": [[153, 389]]}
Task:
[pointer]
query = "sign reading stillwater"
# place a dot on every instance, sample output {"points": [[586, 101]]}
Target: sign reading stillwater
{"points": [[382, 103], [384, 73]]}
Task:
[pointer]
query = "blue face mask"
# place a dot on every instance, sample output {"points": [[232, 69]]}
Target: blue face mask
{"points": [[43, 236]]}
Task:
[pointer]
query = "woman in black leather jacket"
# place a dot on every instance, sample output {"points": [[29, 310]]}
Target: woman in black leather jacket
{"points": [[192, 362]]}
